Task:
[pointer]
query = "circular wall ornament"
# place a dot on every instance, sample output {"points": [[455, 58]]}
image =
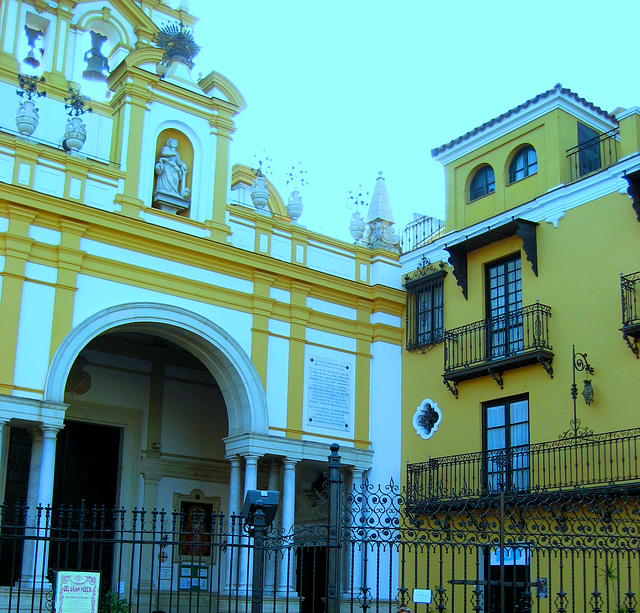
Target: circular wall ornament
{"points": [[427, 418]]}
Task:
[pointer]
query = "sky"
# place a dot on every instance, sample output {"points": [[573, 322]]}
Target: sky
{"points": [[348, 88]]}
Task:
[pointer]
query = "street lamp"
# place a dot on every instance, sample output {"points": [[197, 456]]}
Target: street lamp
{"points": [[580, 364]]}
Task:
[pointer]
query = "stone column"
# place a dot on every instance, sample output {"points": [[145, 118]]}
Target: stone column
{"points": [[270, 566], [250, 483], [36, 554], [235, 506], [149, 504], [287, 566], [28, 551]]}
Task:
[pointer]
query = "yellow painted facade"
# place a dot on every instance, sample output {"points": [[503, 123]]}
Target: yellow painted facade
{"points": [[502, 466]]}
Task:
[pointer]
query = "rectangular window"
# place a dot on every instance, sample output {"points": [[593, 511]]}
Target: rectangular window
{"points": [[504, 308], [425, 311], [588, 149], [506, 444]]}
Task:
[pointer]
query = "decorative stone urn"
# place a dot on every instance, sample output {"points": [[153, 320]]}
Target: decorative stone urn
{"points": [[75, 134], [260, 193], [27, 118], [357, 226], [295, 206]]}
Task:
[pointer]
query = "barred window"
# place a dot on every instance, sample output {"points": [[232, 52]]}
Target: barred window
{"points": [[425, 308]]}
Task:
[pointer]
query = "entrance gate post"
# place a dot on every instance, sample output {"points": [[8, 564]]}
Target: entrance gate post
{"points": [[333, 553]]}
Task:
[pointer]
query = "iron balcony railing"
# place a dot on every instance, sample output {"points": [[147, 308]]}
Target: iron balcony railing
{"points": [[566, 464], [515, 337], [630, 286], [420, 232], [593, 155]]}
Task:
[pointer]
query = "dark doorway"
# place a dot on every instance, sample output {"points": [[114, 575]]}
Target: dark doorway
{"points": [[311, 578], [15, 500], [85, 494], [87, 458]]}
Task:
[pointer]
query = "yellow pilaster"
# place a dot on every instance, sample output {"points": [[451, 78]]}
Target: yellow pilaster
{"points": [[56, 77], [295, 393], [224, 129], [17, 249], [129, 103], [262, 306], [555, 168], [629, 134], [69, 262], [364, 335]]}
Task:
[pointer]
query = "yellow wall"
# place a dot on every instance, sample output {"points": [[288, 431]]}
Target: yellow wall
{"points": [[579, 278], [550, 135]]}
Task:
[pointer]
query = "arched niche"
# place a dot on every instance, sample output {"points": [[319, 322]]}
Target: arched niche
{"points": [[186, 152]]}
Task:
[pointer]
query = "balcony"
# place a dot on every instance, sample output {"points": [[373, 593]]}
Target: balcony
{"points": [[593, 155], [491, 346], [590, 460], [630, 287], [420, 232]]}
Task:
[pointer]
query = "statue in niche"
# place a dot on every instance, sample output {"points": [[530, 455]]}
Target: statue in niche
{"points": [[171, 193]]}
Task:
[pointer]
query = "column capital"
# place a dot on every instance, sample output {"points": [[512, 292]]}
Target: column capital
{"points": [[50, 431], [151, 478], [251, 458], [289, 463]]}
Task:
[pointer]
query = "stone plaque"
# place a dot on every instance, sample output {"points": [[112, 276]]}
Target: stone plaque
{"points": [[328, 393]]}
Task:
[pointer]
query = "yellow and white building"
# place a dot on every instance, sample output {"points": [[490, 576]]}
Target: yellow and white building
{"points": [[162, 338]]}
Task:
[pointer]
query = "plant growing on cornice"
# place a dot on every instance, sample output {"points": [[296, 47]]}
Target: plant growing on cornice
{"points": [[77, 104], [29, 87], [357, 200], [297, 177], [178, 43]]}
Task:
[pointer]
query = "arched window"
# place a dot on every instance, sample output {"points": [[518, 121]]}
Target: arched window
{"points": [[483, 183], [524, 163]]}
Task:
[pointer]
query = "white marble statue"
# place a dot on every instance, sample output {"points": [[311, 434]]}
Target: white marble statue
{"points": [[171, 171]]}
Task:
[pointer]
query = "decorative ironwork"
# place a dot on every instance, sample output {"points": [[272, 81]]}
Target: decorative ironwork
{"points": [[580, 364], [496, 344], [593, 155], [425, 306], [178, 43], [474, 554], [630, 289], [497, 377], [563, 464], [452, 387]]}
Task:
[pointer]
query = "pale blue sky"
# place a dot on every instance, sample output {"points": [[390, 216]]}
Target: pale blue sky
{"points": [[353, 87]]}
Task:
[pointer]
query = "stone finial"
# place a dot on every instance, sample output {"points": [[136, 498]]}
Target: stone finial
{"points": [[379, 231]]}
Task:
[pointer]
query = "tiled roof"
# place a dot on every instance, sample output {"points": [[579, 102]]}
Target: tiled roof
{"points": [[557, 89]]}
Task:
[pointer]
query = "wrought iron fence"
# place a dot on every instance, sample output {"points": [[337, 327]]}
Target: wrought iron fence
{"points": [[611, 458], [593, 155], [488, 340], [506, 553]]}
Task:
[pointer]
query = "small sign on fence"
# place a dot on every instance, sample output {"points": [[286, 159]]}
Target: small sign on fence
{"points": [[76, 591], [193, 577]]}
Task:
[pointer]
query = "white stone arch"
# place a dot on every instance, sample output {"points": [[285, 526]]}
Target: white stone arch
{"points": [[232, 369]]}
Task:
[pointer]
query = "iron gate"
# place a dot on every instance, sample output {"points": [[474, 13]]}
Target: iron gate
{"points": [[560, 551]]}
